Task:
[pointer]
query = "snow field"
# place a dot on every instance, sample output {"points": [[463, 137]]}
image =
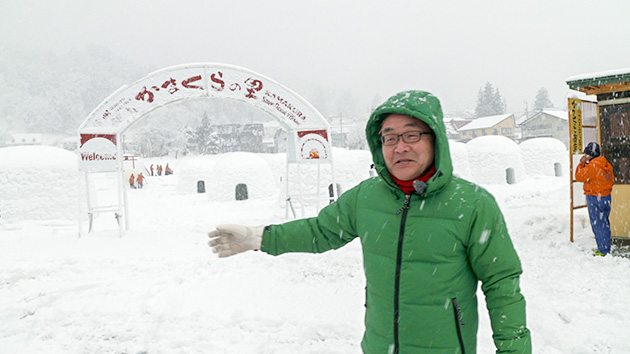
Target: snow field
{"points": [[159, 288]]}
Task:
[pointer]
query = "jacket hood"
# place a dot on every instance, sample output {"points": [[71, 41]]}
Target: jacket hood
{"points": [[421, 105], [602, 164]]}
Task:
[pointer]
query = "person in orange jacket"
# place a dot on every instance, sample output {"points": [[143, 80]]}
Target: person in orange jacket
{"points": [[598, 178], [167, 171], [140, 179], [131, 181]]}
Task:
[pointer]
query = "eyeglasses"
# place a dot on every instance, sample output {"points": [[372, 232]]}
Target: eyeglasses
{"points": [[408, 137]]}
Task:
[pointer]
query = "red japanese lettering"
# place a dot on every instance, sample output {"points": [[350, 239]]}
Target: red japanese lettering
{"points": [[172, 83], [187, 83], [235, 86], [254, 86], [142, 94], [218, 81]]}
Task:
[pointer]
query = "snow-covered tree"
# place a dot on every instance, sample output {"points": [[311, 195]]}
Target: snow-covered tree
{"points": [[202, 138], [489, 102], [542, 100]]}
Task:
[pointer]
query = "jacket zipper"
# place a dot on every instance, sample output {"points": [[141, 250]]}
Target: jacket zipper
{"points": [[401, 236], [459, 323]]}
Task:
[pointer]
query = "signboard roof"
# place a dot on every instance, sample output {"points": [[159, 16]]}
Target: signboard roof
{"points": [[603, 82]]}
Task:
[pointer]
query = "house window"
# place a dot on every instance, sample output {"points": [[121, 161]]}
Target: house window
{"points": [[506, 130], [495, 131], [483, 131]]}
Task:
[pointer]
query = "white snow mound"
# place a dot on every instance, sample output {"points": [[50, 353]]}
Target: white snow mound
{"points": [[545, 157], [495, 158], [38, 183]]}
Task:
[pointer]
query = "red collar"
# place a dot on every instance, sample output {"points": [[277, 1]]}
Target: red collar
{"points": [[407, 186]]}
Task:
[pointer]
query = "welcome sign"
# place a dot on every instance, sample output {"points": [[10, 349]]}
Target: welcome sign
{"points": [[98, 153]]}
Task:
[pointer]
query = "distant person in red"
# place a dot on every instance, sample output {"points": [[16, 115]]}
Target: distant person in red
{"points": [[159, 170], [140, 179], [131, 181], [167, 171], [597, 175], [151, 169]]}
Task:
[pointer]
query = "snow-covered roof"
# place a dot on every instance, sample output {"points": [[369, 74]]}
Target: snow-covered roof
{"points": [[607, 81], [25, 139], [521, 118], [564, 115], [618, 72], [556, 113], [454, 123], [456, 119], [485, 122]]}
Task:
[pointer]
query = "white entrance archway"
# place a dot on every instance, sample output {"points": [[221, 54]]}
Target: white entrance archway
{"points": [[100, 148]]}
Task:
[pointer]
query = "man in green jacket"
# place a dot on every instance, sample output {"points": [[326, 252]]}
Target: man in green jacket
{"points": [[428, 238]]}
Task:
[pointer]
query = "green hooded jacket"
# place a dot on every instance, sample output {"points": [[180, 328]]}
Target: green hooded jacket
{"points": [[423, 254]]}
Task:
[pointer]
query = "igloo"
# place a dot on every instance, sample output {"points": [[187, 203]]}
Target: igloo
{"points": [[545, 157], [496, 160], [221, 174], [38, 183], [459, 157]]}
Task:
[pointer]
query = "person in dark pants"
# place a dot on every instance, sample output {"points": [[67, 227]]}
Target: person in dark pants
{"points": [[140, 180], [598, 178], [131, 181]]}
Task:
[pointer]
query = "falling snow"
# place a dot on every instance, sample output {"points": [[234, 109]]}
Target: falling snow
{"points": [[160, 289]]}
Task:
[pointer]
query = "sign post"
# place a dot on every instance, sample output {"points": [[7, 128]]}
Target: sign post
{"points": [[582, 123], [100, 153]]}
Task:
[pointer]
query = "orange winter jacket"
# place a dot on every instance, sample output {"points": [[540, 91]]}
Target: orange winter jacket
{"points": [[597, 176]]}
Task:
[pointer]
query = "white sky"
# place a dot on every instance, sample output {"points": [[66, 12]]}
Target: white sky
{"points": [[372, 48]]}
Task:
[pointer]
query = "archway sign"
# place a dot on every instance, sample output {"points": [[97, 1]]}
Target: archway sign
{"points": [[100, 147]]}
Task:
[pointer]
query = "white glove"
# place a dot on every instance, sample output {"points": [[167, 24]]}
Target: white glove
{"points": [[229, 239]]}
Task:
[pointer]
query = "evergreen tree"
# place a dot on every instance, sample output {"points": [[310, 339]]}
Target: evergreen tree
{"points": [[489, 102], [203, 137], [542, 100]]}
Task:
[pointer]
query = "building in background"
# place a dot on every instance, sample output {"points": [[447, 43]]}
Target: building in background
{"points": [[611, 128], [453, 124], [503, 125], [547, 124], [239, 137], [24, 139]]}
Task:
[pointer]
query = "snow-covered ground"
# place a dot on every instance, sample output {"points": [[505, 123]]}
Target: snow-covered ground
{"points": [[159, 288]]}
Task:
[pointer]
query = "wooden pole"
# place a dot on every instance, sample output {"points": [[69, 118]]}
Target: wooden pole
{"points": [[570, 170]]}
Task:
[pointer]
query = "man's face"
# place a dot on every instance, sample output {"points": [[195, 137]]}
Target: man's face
{"points": [[407, 161]]}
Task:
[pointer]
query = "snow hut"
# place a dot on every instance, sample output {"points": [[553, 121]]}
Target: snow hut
{"points": [[497, 160], [612, 119], [37, 183], [459, 157], [223, 173], [545, 157]]}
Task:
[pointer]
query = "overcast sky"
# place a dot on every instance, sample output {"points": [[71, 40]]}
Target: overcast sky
{"points": [[373, 48]]}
